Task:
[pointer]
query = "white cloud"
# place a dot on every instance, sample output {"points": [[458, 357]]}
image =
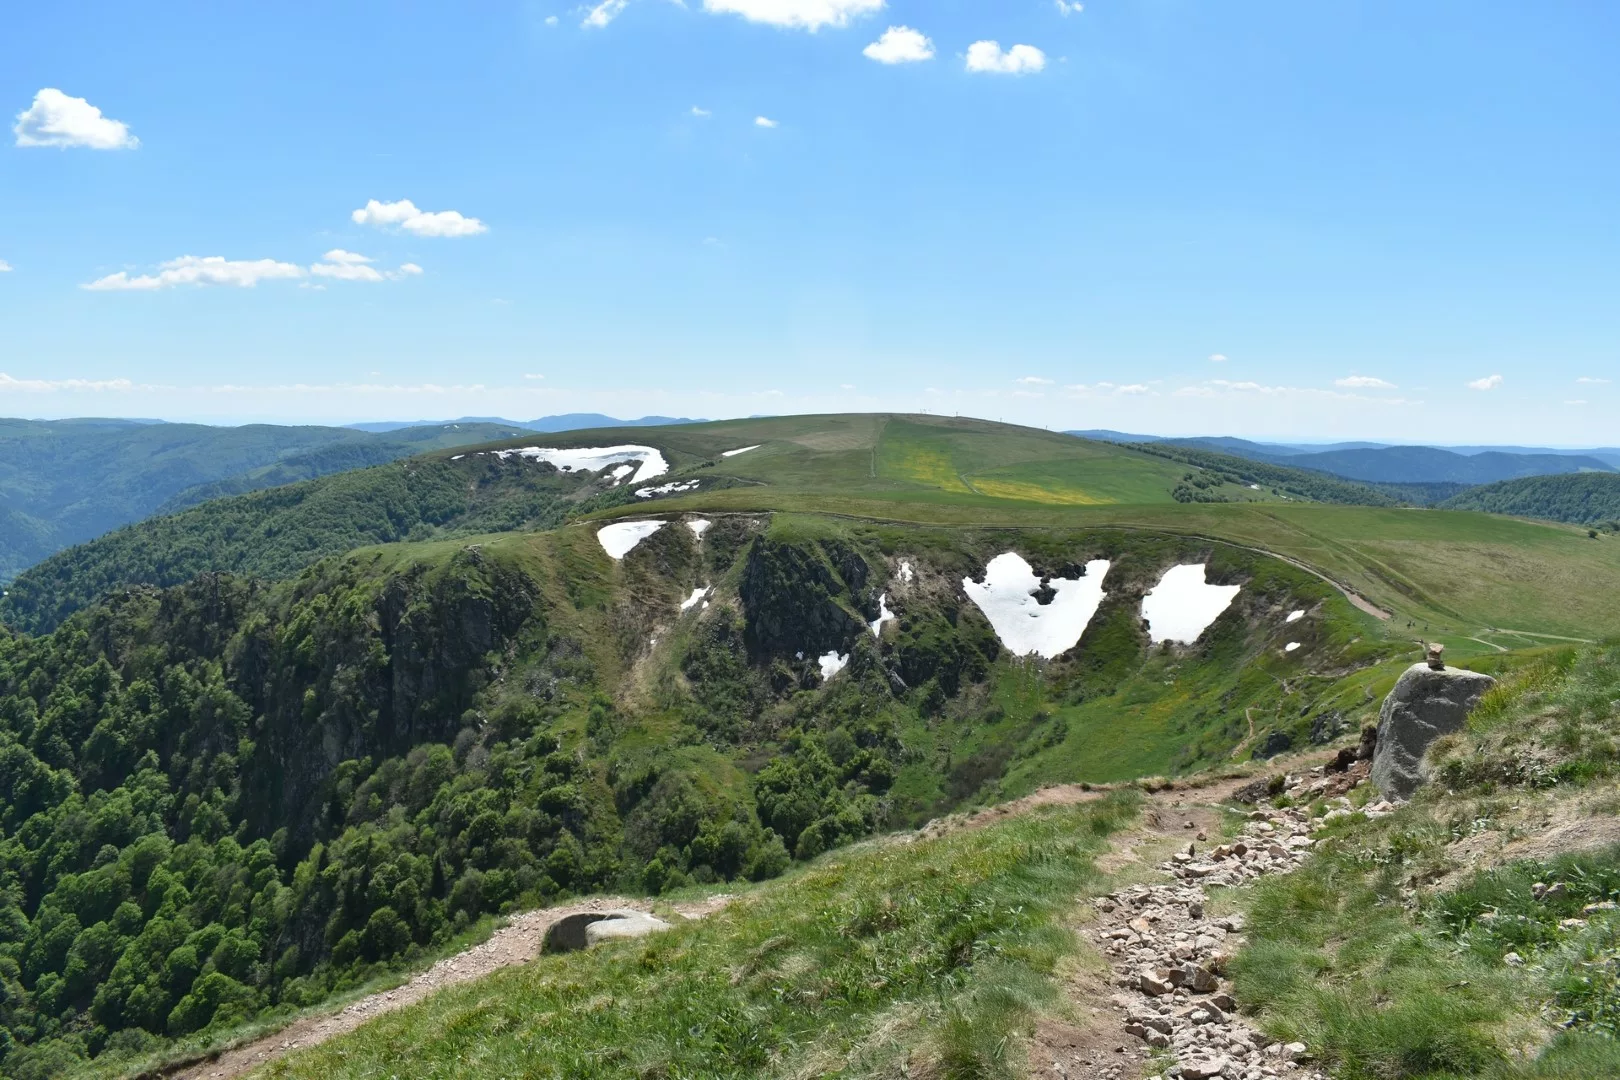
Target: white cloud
{"points": [[551, 20], [796, 14], [1363, 382], [55, 119], [420, 222], [698, 110], [5, 267], [1034, 380], [1070, 7], [846, 386], [1489, 382], [1590, 381], [1580, 401], [1134, 388], [765, 122], [900, 45], [604, 13], [335, 265], [340, 265], [45, 386], [1217, 358], [534, 376], [200, 270], [987, 57]]}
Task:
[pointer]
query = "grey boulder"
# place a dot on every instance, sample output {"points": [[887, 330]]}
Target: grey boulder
{"points": [[584, 929], [1425, 704]]}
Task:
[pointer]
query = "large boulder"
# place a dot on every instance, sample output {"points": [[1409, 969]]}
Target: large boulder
{"points": [[1426, 703], [586, 928]]}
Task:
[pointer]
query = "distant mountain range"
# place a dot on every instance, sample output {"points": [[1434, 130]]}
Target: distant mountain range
{"points": [[65, 481], [546, 424], [1380, 463]]}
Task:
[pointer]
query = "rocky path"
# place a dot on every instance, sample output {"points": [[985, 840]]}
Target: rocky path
{"points": [[1169, 1013], [517, 942]]}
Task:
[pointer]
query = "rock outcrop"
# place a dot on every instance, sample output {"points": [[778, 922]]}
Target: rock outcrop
{"points": [[1425, 704]]}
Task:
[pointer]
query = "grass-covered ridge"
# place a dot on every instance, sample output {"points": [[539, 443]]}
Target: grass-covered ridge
{"points": [[927, 957]]}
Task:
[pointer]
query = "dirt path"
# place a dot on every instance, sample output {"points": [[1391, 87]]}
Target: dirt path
{"points": [[517, 942], [1159, 927]]}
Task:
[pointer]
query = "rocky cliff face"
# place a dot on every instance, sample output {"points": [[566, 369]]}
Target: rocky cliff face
{"points": [[1425, 704]]}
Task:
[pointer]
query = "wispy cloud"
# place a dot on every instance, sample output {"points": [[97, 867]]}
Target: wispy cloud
{"points": [[405, 215], [602, 14], [199, 270], [796, 14], [987, 57], [5, 267], [1489, 382], [1363, 382], [46, 386], [1068, 7], [1592, 381], [765, 122], [1034, 380], [56, 119], [900, 45], [1217, 358], [698, 110]]}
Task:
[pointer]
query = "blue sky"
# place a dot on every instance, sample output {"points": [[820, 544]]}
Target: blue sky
{"points": [[1268, 218]]}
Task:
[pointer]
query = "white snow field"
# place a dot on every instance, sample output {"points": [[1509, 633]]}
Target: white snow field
{"points": [[1026, 626], [699, 527], [1291, 646], [884, 615], [697, 596], [594, 458], [1294, 616], [1182, 605], [741, 450], [831, 664], [907, 574], [621, 538], [667, 489]]}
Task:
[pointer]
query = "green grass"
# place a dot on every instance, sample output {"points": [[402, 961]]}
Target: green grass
{"points": [[1386, 977], [938, 951]]}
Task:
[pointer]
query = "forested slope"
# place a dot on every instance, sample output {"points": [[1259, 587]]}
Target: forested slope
{"points": [[228, 797], [1581, 498]]}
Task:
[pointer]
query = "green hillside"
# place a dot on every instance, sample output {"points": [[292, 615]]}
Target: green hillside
{"points": [[65, 482], [959, 463], [1581, 499], [227, 798]]}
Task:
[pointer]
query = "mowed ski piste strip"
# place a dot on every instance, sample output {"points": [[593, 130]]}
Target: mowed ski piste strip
{"points": [[1457, 572]]}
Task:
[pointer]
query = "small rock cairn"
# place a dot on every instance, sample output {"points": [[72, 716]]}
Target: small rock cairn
{"points": [[1169, 957]]}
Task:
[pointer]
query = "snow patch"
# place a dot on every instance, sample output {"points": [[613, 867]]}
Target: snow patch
{"points": [[1291, 646], [832, 663], [1294, 616], [699, 527], [620, 538], [1026, 626], [907, 574], [667, 489], [594, 458], [741, 450], [884, 615], [1182, 605], [457, 457], [697, 596]]}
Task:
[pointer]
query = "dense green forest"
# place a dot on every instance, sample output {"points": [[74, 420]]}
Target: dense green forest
{"points": [[63, 482], [277, 532], [229, 797], [1579, 498]]}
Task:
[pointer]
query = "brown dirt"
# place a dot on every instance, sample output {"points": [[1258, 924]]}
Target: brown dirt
{"points": [[517, 942]]}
